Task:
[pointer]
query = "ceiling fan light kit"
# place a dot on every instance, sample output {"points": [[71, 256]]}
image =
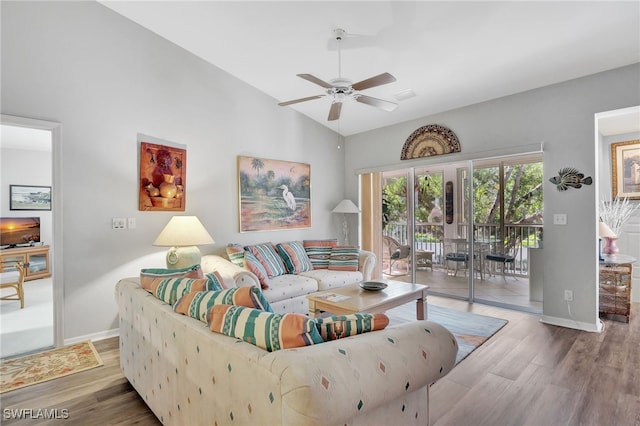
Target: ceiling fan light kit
{"points": [[342, 89]]}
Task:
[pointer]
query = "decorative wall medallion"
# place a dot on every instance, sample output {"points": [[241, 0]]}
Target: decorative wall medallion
{"points": [[570, 177], [428, 141]]}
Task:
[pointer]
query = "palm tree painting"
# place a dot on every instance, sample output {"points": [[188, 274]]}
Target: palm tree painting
{"points": [[274, 194]]}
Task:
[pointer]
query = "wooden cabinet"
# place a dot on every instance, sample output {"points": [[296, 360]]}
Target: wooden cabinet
{"points": [[615, 286], [35, 259]]}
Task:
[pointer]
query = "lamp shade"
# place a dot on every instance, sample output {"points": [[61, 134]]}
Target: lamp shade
{"points": [[604, 231], [346, 206], [182, 231]]}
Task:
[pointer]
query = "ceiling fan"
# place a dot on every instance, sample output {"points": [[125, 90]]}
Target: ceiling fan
{"points": [[341, 89]]}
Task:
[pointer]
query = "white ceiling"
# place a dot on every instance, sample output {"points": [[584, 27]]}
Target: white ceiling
{"points": [[451, 54], [14, 137]]}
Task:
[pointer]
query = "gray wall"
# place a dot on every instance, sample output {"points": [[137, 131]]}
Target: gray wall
{"points": [[562, 117], [107, 79]]}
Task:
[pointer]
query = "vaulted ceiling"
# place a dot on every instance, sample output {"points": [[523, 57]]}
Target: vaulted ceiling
{"points": [[446, 54]]}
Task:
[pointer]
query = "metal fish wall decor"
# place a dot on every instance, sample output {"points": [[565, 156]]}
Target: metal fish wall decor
{"points": [[570, 177]]}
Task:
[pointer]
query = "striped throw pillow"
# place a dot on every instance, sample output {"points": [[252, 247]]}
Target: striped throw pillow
{"points": [[344, 259], [319, 252], [253, 264], [235, 252], [267, 254], [295, 257], [215, 280], [147, 275], [171, 289], [339, 326], [266, 330], [196, 304]]}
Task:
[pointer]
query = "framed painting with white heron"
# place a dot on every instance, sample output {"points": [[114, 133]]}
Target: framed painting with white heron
{"points": [[273, 194]]}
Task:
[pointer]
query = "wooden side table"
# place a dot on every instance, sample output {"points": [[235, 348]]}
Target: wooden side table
{"points": [[615, 285]]}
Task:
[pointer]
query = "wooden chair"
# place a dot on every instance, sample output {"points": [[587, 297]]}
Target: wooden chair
{"points": [[13, 279], [397, 253]]}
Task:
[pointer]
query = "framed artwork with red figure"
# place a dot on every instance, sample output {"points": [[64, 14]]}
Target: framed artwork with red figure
{"points": [[625, 169], [163, 177]]}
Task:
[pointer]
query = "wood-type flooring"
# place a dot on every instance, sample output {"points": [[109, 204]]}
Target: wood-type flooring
{"points": [[529, 373]]}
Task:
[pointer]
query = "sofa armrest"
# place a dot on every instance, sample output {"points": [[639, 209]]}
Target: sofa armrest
{"points": [[233, 275], [336, 381], [366, 263]]}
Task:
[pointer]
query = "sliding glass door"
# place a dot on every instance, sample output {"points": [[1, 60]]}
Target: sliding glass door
{"points": [[467, 229]]}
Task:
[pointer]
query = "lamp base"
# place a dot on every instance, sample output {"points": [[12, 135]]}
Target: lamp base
{"points": [[183, 257], [610, 246]]}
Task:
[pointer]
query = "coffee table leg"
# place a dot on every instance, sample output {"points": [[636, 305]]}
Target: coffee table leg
{"points": [[421, 308], [313, 311]]}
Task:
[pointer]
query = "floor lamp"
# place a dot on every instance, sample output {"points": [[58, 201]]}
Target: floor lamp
{"points": [[346, 206]]}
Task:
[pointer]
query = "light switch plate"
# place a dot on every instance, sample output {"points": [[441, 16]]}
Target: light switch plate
{"points": [[560, 219], [119, 223]]}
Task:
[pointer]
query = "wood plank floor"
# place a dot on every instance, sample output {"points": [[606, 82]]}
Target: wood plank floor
{"points": [[529, 373]]}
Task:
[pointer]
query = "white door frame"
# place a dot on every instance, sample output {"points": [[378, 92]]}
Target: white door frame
{"points": [[56, 212]]}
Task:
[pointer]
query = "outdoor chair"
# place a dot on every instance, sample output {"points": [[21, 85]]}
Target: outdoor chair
{"points": [[13, 279], [397, 253], [507, 259]]}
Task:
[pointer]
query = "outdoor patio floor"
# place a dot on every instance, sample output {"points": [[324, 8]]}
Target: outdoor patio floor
{"points": [[494, 289]]}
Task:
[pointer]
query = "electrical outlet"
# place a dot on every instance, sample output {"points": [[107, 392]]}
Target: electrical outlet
{"points": [[568, 296], [131, 223], [119, 223]]}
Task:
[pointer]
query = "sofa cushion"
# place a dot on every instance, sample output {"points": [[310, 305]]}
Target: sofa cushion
{"points": [[253, 264], [319, 252], [344, 258], [267, 254], [235, 253], [294, 257], [147, 275], [266, 330], [339, 326], [196, 304], [171, 289], [328, 279], [215, 281], [289, 286]]}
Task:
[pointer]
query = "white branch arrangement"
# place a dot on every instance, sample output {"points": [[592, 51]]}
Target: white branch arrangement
{"points": [[616, 212]]}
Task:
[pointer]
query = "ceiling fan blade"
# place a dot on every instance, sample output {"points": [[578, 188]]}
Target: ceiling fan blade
{"points": [[380, 103], [295, 101], [378, 80], [315, 80], [334, 112]]}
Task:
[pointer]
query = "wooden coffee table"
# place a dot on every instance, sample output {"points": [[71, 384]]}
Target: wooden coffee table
{"points": [[352, 298]]}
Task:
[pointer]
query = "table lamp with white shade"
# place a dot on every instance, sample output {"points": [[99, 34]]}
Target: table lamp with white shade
{"points": [[183, 234], [605, 232], [345, 206]]}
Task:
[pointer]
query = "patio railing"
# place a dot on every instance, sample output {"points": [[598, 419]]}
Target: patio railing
{"points": [[430, 236]]}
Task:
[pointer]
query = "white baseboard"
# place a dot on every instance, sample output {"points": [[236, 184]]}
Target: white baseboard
{"points": [[568, 323], [93, 337]]}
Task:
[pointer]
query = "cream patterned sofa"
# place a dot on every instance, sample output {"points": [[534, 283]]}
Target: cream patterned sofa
{"points": [[189, 375], [287, 293]]}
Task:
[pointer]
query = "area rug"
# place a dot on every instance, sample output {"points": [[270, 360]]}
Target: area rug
{"points": [[470, 330], [37, 368]]}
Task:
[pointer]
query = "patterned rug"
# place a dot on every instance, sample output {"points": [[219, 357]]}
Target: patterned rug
{"points": [[37, 368], [470, 330]]}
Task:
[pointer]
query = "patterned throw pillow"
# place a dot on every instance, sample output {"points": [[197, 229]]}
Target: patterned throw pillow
{"points": [[319, 252], [235, 252], [268, 255], [147, 275], [344, 259], [197, 304], [266, 330], [295, 257], [339, 326], [215, 280], [253, 264], [171, 289]]}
